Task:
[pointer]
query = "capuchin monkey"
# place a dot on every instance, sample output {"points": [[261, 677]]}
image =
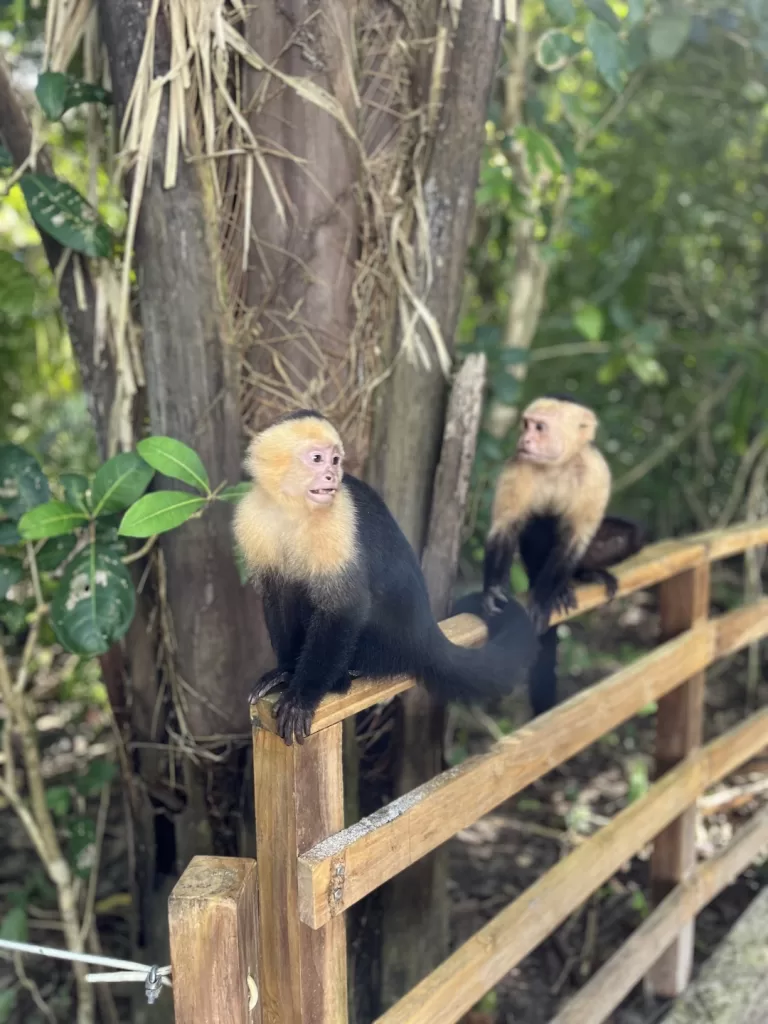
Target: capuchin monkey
{"points": [[550, 499], [616, 540], [344, 595]]}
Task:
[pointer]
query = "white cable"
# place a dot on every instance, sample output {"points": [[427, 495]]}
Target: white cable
{"points": [[127, 970]]}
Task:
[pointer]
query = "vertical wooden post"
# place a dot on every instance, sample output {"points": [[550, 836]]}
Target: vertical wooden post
{"points": [[299, 801], [684, 600], [213, 920]]}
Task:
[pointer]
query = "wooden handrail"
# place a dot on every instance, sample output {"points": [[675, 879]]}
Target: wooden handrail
{"points": [[652, 565], [373, 850]]}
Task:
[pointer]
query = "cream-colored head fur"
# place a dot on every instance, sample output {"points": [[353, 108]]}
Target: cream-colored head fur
{"points": [[271, 456], [569, 428]]}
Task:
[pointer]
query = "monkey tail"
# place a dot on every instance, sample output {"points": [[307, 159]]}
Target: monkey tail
{"points": [[468, 674]]}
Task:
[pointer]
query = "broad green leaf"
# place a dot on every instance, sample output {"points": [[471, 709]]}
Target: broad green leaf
{"points": [[158, 512], [635, 12], [18, 288], [608, 52], [637, 48], [94, 604], [50, 520], [57, 93], [10, 573], [13, 616], [15, 926], [82, 843], [59, 799], [555, 48], [22, 482], [561, 11], [601, 10], [119, 482], [6, 160], [175, 459], [589, 322], [668, 33], [9, 535], [99, 773], [61, 212], [54, 551], [538, 150], [7, 1004], [75, 487], [235, 493]]}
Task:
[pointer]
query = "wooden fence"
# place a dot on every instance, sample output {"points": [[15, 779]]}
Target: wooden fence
{"points": [[265, 940]]}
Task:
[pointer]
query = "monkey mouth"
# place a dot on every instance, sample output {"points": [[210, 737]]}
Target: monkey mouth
{"points": [[322, 495]]}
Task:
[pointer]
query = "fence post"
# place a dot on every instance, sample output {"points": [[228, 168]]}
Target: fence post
{"points": [[213, 921], [299, 797], [683, 601]]}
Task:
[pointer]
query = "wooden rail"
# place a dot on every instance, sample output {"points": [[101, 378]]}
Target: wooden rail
{"points": [[310, 869]]}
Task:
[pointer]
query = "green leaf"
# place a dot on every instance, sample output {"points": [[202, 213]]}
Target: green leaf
{"points": [[22, 482], [635, 12], [506, 388], [7, 1004], [10, 573], [608, 52], [637, 48], [561, 11], [515, 356], [6, 160], [175, 459], [601, 10], [54, 551], [75, 487], [588, 320], [57, 93], [82, 843], [159, 512], [668, 34], [94, 604], [13, 616], [119, 482], [554, 49], [539, 149], [15, 926], [18, 288], [61, 212], [9, 535], [59, 799], [235, 493], [99, 773], [50, 520]]}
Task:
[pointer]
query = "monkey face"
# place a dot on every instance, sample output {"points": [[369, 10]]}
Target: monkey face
{"points": [[323, 471], [540, 440], [298, 462]]}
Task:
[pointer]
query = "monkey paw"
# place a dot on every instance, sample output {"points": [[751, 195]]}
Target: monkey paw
{"points": [[269, 682], [293, 717], [611, 585], [495, 601]]}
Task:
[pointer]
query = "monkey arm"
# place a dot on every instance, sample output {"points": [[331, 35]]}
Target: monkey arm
{"points": [[322, 666], [552, 590], [499, 553]]}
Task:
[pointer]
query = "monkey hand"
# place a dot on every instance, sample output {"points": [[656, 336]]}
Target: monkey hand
{"points": [[542, 608], [269, 682], [494, 601], [611, 584], [293, 716]]}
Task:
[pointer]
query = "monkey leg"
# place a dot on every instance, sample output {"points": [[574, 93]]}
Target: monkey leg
{"points": [[542, 679]]}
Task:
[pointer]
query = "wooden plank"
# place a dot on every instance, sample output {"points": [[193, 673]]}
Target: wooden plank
{"points": [[213, 921], [741, 627], [370, 852], [683, 601], [299, 801], [732, 986], [619, 974], [647, 568], [476, 966], [735, 540]]}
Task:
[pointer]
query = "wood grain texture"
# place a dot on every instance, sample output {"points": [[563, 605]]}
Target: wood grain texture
{"points": [[373, 850], [617, 977], [213, 921], [683, 602], [476, 966], [299, 798]]}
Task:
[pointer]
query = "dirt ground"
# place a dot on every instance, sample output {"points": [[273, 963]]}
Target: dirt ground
{"points": [[504, 853]]}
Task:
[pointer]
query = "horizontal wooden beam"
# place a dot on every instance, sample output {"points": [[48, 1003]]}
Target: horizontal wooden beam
{"points": [[459, 982], [619, 975], [373, 850]]}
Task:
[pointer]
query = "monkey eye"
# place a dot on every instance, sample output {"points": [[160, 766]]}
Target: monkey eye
{"points": [[336, 460], [317, 457], [540, 427]]}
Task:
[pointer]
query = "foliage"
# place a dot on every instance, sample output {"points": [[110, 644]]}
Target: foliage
{"points": [[81, 522]]}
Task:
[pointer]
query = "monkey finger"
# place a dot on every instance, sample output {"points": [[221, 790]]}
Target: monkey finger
{"points": [[268, 682]]}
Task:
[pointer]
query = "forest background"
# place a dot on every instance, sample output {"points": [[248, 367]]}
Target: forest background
{"points": [[616, 251]]}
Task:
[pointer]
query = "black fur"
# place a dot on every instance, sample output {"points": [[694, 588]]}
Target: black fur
{"points": [[375, 620]]}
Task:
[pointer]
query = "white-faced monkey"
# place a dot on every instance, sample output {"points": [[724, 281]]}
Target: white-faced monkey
{"points": [[343, 592]]}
